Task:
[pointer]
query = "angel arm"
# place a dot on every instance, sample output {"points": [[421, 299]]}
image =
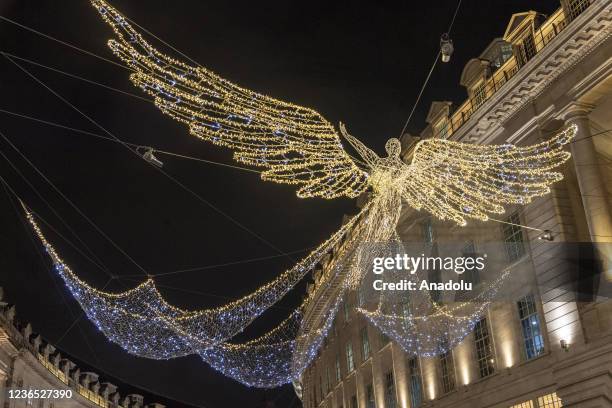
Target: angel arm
{"points": [[365, 152], [456, 181], [293, 144]]}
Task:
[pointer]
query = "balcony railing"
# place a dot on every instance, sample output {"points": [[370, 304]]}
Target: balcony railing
{"points": [[542, 36]]}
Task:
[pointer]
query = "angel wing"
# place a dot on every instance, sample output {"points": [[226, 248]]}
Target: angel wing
{"points": [[295, 145], [454, 180]]}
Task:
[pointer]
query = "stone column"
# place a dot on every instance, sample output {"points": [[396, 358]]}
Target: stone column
{"points": [[588, 172]]}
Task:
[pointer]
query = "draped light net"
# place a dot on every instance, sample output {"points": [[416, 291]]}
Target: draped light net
{"points": [[425, 325], [144, 324]]}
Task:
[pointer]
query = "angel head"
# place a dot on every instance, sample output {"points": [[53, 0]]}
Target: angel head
{"points": [[393, 147]]}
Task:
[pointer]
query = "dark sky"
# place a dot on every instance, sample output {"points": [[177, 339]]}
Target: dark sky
{"points": [[362, 65]]}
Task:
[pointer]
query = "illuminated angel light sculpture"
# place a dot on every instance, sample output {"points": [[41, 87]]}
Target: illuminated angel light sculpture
{"points": [[296, 145]]}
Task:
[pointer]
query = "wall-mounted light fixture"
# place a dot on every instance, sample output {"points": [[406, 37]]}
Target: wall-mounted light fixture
{"points": [[546, 235], [564, 345]]}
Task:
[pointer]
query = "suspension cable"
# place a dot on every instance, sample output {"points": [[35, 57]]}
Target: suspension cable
{"points": [[450, 27], [170, 177]]}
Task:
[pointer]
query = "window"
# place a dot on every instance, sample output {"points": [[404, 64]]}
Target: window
{"points": [[384, 339], [549, 401], [338, 373], [513, 237], [350, 362], [545, 401], [416, 389], [370, 403], [365, 344], [345, 308], [441, 128], [435, 275], [321, 388], [428, 231], [390, 399], [447, 371], [526, 404], [505, 52], [530, 326], [354, 401], [360, 296], [528, 48], [479, 95], [575, 7], [471, 274], [484, 348]]}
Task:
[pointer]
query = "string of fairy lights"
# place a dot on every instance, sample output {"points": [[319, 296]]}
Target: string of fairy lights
{"points": [[296, 145]]}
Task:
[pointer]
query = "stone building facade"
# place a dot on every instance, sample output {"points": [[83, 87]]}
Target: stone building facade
{"points": [[28, 363], [547, 346]]}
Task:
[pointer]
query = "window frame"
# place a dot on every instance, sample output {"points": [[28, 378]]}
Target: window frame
{"points": [[529, 304], [484, 347], [390, 390], [366, 349], [350, 357], [514, 240], [479, 94], [370, 396], [448, 377], [415, 382]]}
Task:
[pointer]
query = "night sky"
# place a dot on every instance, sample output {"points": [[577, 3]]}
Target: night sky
{"points": [[362, 65]]}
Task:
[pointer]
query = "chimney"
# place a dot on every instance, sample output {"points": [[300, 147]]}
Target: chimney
{"points": [[66, 366], [88, 378], [137, 400], [107, 389], [115, 397], [76, 374], [55, 359], [10, 314], [95, 387], [27, 332], [36, 342], [47, 350]]}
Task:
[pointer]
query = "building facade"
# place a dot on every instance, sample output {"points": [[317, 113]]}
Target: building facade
{"points": [[547, 345], [27, 363]]}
